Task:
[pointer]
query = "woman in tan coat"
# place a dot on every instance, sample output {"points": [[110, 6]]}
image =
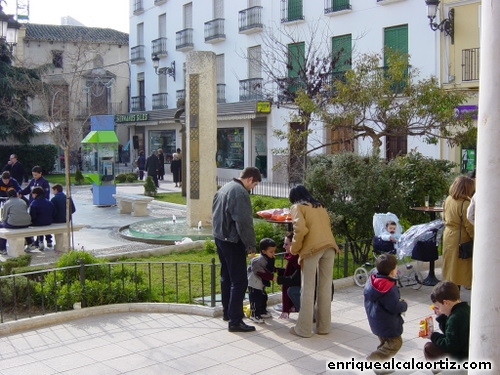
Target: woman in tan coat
{"points": [[455, 215], [314, 243]]}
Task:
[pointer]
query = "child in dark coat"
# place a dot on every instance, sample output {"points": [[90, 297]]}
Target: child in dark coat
{"points": [[41, 211], [260, 272], [59, 202], [383, 307], [454, 322]]}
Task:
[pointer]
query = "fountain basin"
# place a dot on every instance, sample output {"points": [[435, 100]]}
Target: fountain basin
{"points": [[164, 231]]}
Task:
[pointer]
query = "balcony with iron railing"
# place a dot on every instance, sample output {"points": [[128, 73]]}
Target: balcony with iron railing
{"points": [[250, 20], [214, 31], [287, 88], [291, 11], [334, 7], [159, 47], [137, 55], [221, 93], [160, 101], [137, 103], [470, 64], [251, 89], [138, 7], [184, 40]]}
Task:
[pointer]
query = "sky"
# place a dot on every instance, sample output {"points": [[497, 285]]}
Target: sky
{"points": [[113, 14]]}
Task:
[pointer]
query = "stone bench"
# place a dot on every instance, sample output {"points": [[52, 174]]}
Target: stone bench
{"points": [[136, 205], [15, 237]]}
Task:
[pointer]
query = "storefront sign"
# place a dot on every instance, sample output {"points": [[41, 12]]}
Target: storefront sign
{"points": [[461, 110], [132, 117], [264, 107]]}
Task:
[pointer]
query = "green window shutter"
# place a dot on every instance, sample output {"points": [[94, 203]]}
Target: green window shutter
{"points": [[338, 5], [296, 58], [396, 38], [342, 44], [296, 63], [295, 10]]}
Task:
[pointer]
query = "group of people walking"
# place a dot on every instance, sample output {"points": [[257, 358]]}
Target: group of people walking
{"points": [[307, 277], [154, 166], [36, 210]]}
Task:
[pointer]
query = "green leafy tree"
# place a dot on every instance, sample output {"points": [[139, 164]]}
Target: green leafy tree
{"points": [[418, 177], [352, 188], [16, 121], [293, 65], [375, 102]]}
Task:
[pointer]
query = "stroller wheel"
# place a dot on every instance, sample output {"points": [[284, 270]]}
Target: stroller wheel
{"points": [[413, 279], [360, 276]]}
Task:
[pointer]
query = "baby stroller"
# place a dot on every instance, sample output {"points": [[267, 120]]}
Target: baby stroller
{"points": [[410, 277], [421, 241]]}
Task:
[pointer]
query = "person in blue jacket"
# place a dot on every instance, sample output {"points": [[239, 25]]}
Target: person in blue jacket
{"points": [[383, 307], [42, 212], [8, 183], [38, 180], [59, 202]]}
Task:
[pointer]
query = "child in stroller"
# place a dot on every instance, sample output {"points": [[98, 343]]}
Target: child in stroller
{"points": [[387, 233], [386, 240]]}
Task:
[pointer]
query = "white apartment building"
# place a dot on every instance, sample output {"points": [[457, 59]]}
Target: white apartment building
{"points": [[236, 31]]}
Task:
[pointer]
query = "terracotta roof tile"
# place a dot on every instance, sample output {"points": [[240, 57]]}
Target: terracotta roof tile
{"points": [[66, 33]]}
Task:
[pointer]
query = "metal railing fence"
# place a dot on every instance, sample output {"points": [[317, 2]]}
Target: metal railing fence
{"points": [[36, 293]]}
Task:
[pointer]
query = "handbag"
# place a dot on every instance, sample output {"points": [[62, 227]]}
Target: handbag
{"points": [[464, 248]]}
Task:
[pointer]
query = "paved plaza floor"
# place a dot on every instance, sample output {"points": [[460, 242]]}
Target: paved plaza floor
{"points": [[182, 343]]}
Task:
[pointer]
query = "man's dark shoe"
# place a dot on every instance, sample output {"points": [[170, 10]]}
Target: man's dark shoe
{"points": [[225, 318], [241, 327]]}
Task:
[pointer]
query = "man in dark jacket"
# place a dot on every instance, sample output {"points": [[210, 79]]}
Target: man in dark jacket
{"points": [[16, 169], [152, 167], [42, 212], [232, 228], [383, 307]]}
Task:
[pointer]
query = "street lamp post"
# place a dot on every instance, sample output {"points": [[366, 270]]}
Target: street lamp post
{"points": [[8, 30], [447, 25]]}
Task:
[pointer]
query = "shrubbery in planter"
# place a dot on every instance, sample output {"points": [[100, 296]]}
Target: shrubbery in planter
{"points": [[104, 284], [149, 187], [121, 178]]}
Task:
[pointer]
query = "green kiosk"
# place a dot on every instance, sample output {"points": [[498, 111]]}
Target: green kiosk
{"points": [[99, 153]]}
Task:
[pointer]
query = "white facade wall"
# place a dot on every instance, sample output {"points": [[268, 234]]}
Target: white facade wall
{"points": [[366, 22]]}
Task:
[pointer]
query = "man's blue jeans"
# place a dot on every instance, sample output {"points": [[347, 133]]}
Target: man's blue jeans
{"points": [[233, 278]]}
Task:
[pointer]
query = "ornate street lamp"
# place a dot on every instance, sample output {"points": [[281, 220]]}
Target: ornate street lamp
{"points": [[169, 70], [8, 29], [446, 25]]}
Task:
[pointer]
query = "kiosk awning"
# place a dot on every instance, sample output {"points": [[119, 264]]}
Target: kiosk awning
{"points": [[101, 136]]}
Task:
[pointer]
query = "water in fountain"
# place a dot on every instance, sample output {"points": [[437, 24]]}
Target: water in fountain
{"points": [[167, 230]]}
